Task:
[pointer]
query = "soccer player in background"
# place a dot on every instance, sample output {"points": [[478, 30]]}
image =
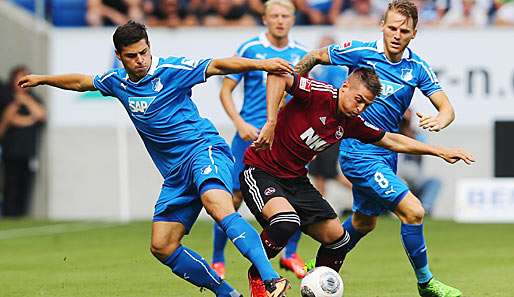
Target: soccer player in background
{"points": [[279, 18], [193, 159], [274, 182], [372, 169]]}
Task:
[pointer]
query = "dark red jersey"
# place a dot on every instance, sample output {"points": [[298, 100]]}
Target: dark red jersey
{"points": [[306, 126]]}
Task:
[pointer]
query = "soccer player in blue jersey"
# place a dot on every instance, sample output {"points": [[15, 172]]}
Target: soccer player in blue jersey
{"points": [[371, 169], [275, 42], [193, 159]]}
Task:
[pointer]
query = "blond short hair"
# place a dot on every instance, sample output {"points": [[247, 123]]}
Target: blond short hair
{"points": [[284, 3]]}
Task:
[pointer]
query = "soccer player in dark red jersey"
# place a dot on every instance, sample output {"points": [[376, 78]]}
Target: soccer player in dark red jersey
{"points": [[274, 183]]}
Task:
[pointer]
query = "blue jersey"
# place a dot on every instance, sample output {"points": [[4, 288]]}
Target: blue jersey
{"points": [[332, 74], [162, 111], [254, 103], [399, 81]]}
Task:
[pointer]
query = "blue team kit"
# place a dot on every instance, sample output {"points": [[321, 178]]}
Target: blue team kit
{"points": [[372, 169], [186, 148]]}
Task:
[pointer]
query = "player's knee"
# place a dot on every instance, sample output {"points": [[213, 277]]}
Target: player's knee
{"points": [[162, 249], [284, 224], [414, 215]]}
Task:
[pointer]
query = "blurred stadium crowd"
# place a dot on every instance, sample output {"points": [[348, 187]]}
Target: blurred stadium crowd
{"points": [[214, 13]]}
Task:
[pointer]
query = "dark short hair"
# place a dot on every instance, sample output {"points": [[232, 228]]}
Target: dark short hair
{"points": [[128, 34], [405, 8], [369, 78]]}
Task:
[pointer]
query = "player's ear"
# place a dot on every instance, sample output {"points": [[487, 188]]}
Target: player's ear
{"points": [[117, 54], [414, 34]]}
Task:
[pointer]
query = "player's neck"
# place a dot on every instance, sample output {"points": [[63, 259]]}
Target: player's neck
{"points": [[277, 42], [393, 58]]}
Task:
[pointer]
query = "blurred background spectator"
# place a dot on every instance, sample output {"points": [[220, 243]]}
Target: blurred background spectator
{"points": [[318, 12], [362, 13], [428, 13], [172, 13], [228, 13], [466, 13], [20, 127], [410, 168], [504, 13], [114, 12]]}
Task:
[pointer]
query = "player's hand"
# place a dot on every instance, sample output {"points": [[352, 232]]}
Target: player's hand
{"points": [[276, 65], [429, 123], [266, 136], [29, 81], [247, 131], [454, 155]]}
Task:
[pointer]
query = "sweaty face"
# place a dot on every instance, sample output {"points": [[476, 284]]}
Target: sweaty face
{"points": [[136, 59], [354, 98], [279, 21], [398, 30]]}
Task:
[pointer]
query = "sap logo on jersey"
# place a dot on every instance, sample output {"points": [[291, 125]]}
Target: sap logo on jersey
{"points": [[389, 88], [139, 105], [313, 141]]}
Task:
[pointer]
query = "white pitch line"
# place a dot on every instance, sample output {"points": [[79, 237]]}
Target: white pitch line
{"points": [[53, 229]]}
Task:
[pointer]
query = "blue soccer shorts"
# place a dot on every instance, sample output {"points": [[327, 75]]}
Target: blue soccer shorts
{"points": [[179, 200], [376, 188]]}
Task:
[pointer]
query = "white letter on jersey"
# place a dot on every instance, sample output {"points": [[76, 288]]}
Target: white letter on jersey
{"points": [[313, 141]]}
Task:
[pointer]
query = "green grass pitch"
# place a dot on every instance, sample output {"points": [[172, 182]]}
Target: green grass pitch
{"points": [[90, 259]]}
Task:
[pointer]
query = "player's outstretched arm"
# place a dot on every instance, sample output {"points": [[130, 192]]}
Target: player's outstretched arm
{"points": [[313, 58], [403, 144], [238, 65], [74, 82], [246, 131], [445, 116], [276, 85]]}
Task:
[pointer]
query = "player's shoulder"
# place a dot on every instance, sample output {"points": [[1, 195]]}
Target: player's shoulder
{"points": [[116, 73], [298, 46], [355, 45], [249, 45], [177, 63], [414, 57], [316, 86]]}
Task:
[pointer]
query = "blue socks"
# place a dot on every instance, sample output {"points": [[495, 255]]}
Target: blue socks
{"points": [[292, 244], [414, 244], [220, 240], [190, 266], [248, 242]]}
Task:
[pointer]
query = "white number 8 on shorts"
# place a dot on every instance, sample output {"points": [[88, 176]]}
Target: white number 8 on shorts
{"points": [[381, 180]]}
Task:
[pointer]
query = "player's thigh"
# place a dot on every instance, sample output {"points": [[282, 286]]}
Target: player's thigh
{"points": [[238, 148], [410, 210], [177, 204], [325, 231], [264, 194], [213, 164], [309, 204], [376, 188], [218, 203]]}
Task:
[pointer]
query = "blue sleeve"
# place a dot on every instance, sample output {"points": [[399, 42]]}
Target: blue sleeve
{"points": [[347, 53], [105, 82], [187, 72], [427, 80]]}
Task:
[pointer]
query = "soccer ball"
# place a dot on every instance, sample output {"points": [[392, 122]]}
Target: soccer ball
{"points": [[322, 282]]}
